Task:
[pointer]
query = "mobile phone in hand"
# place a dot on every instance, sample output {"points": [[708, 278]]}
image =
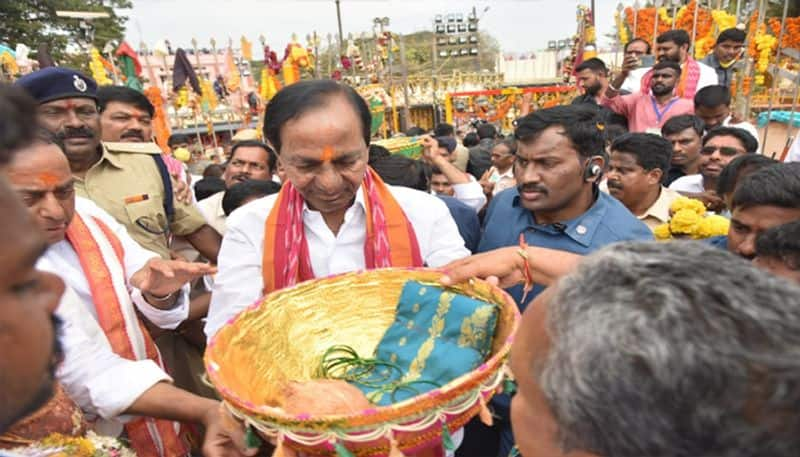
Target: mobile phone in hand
{"points": [[647, 60]]}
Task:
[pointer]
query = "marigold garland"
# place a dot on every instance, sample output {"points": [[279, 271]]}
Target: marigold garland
{"points": [[791, 35], [691, 204], [98, 70], [622, 29], [160, 124], [684, 19], [689, 219], [710, 226], [208, 97], [765, 44]]}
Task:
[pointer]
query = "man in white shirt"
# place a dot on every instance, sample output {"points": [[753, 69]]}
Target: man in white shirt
{"points": [[712, 106], [329, 202], [501, 176], [636, 169], [109, 385], [720, 146], [446, 178], [461, 154], [250, 159], [671, 45]]}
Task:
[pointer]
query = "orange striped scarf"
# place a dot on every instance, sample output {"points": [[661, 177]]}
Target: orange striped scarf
{"points": [[391, 241], [125, 332]]}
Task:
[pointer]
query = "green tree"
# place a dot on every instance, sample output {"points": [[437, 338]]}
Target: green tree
{"points": [[33, 22]]}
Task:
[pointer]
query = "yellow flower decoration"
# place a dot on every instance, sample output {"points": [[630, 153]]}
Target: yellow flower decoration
{"points": [[692, 204], [662, 232], [709, 226], [98, 71], [683, 222]]}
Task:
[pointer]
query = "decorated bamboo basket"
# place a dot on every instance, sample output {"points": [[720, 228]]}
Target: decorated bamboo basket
{"points": [[284, 336]]}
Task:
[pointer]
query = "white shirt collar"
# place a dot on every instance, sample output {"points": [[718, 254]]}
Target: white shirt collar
{"points": [[358, 202]]}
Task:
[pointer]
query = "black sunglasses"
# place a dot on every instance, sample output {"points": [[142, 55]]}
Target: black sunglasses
{"points": [[724, 150]]}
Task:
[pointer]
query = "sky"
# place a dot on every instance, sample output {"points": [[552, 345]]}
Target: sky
{"points": [[519, 25]]}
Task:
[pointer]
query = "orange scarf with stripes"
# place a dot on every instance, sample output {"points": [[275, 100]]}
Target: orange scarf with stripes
{"points": [[390, 242], [102, 260]]}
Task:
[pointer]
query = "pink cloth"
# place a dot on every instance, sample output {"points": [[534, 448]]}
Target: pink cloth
{"points": [[690, 78], [641, 114]]}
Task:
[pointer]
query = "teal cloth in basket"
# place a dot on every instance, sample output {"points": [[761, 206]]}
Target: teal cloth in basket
{"points": [[436, 337]]}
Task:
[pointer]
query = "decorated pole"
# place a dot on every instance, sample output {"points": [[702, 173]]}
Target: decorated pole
{"points": [[694, 27], [775, 70], [330, 55], [214, 53], [762, 9], [316, 54], [406, 108], [655, 23], [108, 49], [674, 13]]}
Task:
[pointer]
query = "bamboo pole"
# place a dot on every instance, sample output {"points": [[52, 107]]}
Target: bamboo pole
{"points": [[762, 7], [694, 27], [406, 108], [775, 72], [655, 22]]}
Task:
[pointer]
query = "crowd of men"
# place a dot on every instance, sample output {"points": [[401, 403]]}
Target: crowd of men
{"points": [[119, 265]]}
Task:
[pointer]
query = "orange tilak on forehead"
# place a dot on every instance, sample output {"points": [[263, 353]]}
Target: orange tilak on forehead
{"points": [[48, 179], [327, 154]]}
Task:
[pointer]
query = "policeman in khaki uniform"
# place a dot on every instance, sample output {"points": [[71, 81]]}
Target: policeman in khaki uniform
{"points": [[129, 181], [123, 183]]}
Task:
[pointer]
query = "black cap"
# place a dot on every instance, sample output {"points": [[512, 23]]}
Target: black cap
{"points": [[54, 83]]}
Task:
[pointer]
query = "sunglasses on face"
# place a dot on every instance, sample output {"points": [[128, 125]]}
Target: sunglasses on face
{"points": [[724, 150]]}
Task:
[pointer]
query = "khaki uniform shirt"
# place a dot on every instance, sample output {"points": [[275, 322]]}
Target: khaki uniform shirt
{"points": [[462, 157], [126, 183], [211, 208], [658, 213]]}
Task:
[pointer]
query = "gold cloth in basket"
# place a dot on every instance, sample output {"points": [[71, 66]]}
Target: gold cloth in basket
{"points": [[283, 338]]}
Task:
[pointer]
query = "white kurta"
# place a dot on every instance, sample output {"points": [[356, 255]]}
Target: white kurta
{"points": [[633, 83], [62, 260], [102, 383], [470, 193], [239, 281], [692, 184]]}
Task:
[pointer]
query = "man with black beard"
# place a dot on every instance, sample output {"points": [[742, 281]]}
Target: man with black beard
{"points": [[592, 77], [648, 111]]}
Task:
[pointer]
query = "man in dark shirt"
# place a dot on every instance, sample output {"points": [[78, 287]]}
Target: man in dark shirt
{"points": [[685, 132], [725, 57], [480, 156], [592, 78], [556, 204]]}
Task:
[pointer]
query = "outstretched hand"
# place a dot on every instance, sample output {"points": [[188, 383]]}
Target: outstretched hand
{"points": [[162, 277], [501, 267], [505, 267]]}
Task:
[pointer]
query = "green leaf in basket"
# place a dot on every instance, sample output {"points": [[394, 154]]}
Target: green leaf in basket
{"points": [[251, 439], [342, 451], [447, 439]]}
